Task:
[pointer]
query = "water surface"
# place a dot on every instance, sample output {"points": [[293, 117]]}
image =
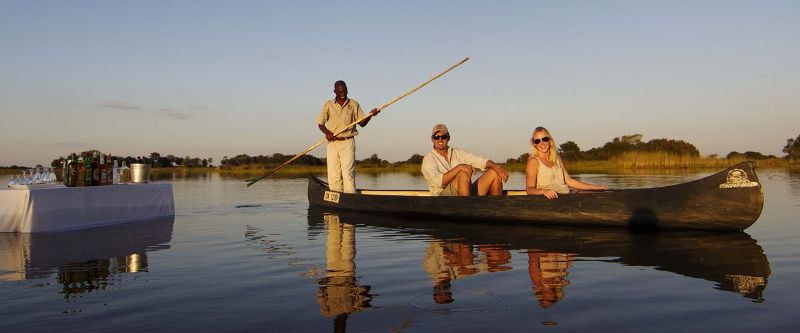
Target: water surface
{"points": [[255, 259]]}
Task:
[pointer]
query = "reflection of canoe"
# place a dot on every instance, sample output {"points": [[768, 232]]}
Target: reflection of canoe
{"points": [[104, 250], [731, 259], [729, 200]]}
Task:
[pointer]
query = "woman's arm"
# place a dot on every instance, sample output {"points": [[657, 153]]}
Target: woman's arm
{"points": [[577, 184]]}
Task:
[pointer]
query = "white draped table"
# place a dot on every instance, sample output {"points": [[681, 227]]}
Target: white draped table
{"points": [[70, 208]]}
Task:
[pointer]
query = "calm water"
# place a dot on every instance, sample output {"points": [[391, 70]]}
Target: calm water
{"points": [[258, 259]]}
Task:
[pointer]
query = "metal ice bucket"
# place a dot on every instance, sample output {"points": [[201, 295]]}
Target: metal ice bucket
{"points": [[140, 173]]}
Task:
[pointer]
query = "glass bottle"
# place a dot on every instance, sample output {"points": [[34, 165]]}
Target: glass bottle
{"points": [[96, 168], [87, 166], [102, 175], [115, 176], [72, 175], [81, 179], [124, 174], [109, 171]]}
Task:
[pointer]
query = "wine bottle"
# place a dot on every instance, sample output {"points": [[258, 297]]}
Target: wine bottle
{"points": [[109, 170], [73, 170], [115, 171], [103, 176], [124, 174], [96, 169], [65, 171], [81, 179]]}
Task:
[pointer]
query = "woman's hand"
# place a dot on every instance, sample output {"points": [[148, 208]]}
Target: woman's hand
{"points": [[550, 194]]}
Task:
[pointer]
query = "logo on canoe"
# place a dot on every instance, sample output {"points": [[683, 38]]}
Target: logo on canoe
{"points": [[738, 178], [331, 197]]}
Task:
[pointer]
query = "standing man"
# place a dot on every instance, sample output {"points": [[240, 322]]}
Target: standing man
{"points": [[449, 170], [336, 115]]}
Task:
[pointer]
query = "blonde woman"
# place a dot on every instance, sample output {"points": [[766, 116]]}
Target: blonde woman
{"points": [[545, 172]]}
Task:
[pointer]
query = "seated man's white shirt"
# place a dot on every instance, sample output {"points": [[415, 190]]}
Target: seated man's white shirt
{"points": [[434, 166]]}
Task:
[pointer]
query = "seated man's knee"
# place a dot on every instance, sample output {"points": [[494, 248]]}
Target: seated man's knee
{"points": [[491, 174]]}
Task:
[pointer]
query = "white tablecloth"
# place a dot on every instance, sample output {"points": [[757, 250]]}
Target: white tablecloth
{"points": [[70, 208]]}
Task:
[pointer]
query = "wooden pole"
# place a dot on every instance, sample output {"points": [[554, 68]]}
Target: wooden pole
{"points": [[253, 181]]}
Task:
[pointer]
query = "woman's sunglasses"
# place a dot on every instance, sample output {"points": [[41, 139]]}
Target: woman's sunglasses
{"points": [[544, 138], [444, 136]]}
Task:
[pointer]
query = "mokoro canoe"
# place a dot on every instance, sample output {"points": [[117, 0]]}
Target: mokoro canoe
{"points": [[729, 200]]}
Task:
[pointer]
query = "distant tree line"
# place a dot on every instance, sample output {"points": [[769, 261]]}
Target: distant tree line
{"points": [[269, 160], [569, 151], [749, 155], [792, 148], [307, 160], [14, 167], [627, 143]]}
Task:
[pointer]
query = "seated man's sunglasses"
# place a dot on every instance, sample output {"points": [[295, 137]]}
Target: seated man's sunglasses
{"points": [[545, 139], [443, 136]]}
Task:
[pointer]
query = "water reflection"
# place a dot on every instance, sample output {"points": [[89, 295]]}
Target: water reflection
{"points": [[85, 260], [339, 292], [732, 260], [445, 261], [794, 182], [548, 273]]}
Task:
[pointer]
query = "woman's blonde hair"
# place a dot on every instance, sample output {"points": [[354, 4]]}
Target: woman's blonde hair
{"points": [[553, 150]]}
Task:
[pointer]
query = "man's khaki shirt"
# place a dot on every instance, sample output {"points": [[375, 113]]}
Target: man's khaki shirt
{"points": [[336, 117]]}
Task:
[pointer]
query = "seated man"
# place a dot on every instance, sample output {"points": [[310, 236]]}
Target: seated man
{"points": [[449, 170]]}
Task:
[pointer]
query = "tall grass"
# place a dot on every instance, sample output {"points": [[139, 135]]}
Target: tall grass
{"points": [[630, 162], [633, 162], [659, 160]]}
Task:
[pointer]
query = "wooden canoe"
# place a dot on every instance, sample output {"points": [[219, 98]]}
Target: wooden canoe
{"points": [[729, 200]]}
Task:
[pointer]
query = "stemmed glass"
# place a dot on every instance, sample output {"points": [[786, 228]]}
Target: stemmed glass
{"points": [[37, 177], [13, 181], [45, 178], [26, 177], [51, 176]]}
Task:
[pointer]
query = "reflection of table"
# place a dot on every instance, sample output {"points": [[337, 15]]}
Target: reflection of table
{"points": [[69, 208], [83, 257]]}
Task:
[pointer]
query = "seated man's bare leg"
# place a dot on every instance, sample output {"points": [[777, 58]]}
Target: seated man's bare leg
{"points": [[490, 183], [462, 182], [497, 186]]}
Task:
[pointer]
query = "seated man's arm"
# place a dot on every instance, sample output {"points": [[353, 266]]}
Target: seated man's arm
{"points": [[450, 175], [501, 172], [484, 164]]}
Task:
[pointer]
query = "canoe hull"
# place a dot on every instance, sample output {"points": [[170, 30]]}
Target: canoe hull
{"points": [[729, 200]]}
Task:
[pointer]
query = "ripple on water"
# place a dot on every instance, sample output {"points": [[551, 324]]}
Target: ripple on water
{"points": [[467, 300]]}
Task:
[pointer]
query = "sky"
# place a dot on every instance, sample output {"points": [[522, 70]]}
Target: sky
{"points": [[221, 78]]}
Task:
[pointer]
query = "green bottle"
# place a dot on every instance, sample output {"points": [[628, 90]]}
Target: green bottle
{"points": [[89, 173], [72, 173]]}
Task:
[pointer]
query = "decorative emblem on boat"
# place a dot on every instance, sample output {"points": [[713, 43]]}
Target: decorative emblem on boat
{"points": [[334, 197], [738, 178]]}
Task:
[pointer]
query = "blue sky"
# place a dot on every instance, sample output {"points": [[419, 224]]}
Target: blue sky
{"points": [[215, 78]]}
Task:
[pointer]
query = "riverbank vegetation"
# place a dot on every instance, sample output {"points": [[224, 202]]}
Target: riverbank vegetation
{"points": [[628, 153], [625, 154]]}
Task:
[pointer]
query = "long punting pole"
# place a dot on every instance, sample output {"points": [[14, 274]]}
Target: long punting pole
{"points": [[253, 181]]}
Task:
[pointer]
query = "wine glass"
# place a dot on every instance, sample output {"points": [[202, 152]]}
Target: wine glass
{"points": [[26, 177], [37, 176], [53, 178]]}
